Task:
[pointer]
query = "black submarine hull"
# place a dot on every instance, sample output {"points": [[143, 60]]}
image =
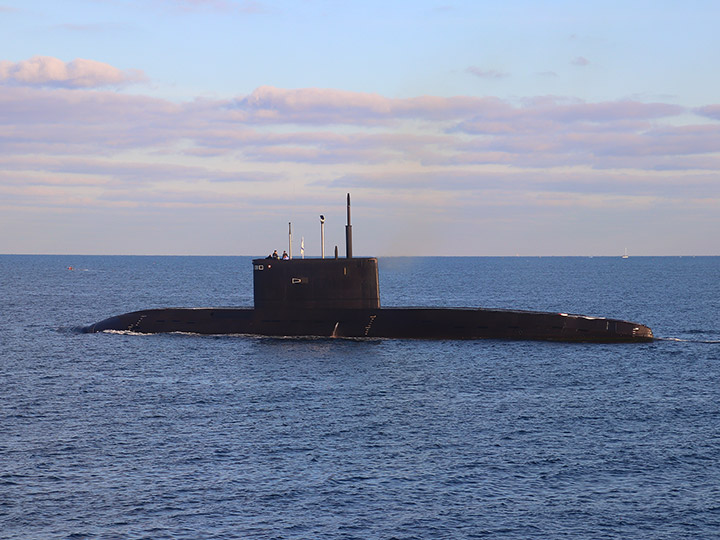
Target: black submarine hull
{"points": [[341, 298], [394, 323]]}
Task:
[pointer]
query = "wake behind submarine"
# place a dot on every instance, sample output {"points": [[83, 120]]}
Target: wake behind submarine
{"points": [[340, 297]]}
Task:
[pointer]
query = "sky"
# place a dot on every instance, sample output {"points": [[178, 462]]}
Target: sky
{"points": [[477, 128]]}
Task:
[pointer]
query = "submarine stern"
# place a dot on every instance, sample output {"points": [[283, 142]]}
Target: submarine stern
{"points": [[635, 331]]}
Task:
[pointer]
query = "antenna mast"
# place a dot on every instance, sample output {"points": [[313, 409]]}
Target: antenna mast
{"points": [[348, 232], [322, 235], [290, 240]]}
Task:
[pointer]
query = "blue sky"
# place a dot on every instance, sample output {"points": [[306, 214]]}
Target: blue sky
{"points": [[460, 128]]}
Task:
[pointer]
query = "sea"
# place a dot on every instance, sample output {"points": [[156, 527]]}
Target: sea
{"points": [[181, 436]]}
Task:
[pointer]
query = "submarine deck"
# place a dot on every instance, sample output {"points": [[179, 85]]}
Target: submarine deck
{"points": [[388, 322]]}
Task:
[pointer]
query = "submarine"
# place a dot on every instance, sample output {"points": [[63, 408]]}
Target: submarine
{"points": [[340, 297]]}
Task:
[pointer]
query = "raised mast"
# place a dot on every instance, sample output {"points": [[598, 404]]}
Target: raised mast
{"points": [[290, 239], [348, 232], [322, 236]]}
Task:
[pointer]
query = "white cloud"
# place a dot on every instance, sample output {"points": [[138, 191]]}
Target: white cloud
{"points": [[80, 73], [61, 147], [486, 73]]}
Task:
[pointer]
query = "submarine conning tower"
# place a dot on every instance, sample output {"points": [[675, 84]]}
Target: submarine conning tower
{"points": [[349, 283], [316, 283]]}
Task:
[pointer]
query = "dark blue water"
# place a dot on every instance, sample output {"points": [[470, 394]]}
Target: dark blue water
{"points": [[108, 436]]}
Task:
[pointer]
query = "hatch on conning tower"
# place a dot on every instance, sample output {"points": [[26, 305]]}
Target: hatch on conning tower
{"points": [[350, 283]]}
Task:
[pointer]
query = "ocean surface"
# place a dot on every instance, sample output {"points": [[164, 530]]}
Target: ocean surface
{"points": [[115, 436]]}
